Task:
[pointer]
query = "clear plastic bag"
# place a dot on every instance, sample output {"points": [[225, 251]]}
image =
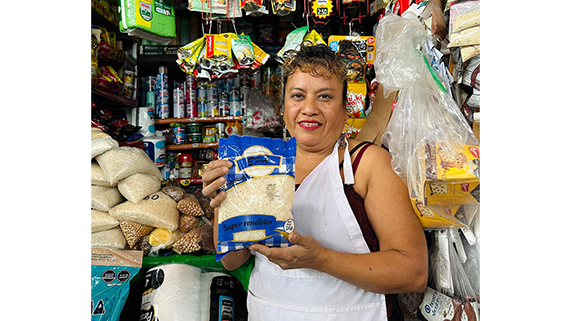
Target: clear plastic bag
{"points": [[433, 148]]}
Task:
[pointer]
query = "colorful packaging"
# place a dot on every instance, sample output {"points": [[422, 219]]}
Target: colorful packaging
{"points": [[111, 272], [259, 193], [148, 19]]}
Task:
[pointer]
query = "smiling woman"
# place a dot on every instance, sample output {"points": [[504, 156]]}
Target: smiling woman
{"points": [[357, 240]]}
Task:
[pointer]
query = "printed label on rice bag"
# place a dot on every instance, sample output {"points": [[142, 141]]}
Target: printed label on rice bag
{"points": [[259, 226]]}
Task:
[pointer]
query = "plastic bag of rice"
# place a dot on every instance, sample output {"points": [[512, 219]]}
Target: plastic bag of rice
{"points": [[157, 209], [101, 142], [259, 189], [104, 198], [101, 221], [138, 186], [98, 176], [119, 163]]}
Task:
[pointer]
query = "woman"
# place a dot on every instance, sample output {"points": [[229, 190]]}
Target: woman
{"points": [[357, 237]]}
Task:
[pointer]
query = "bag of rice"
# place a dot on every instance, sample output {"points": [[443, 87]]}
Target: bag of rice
{"points": [[98, 176], [137, 186], [101, 142], [101, 221], [119, 163], [157, 209], [111, 239], [259, 189], [103, 198]]}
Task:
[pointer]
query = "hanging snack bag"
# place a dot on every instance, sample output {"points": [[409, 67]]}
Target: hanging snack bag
{"points": [[313, 38], [243, 51], [111, 272], [259, 187], [292, 43], [189, 55]]}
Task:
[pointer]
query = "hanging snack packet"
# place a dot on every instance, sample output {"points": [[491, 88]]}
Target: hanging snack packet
{"points": [[189, 55], [259, 187], [283, 7], [111, 272], [292, 43], [313, 38], [243, 51]]}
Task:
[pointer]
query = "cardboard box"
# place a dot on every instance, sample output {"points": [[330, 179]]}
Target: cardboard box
{"points": [[378, 118]]}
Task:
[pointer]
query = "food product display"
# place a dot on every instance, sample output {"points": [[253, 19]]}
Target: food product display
{"points": [[214, 81]]}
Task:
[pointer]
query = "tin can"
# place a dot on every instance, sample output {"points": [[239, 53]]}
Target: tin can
{"points": [[194, 128], [220, 130], [211, 93], [179, 134], [194, 138], [235, 108], [163, 69], [212, 109], [162, 81], [201, 94], [202, 110], [224, 107], [191, 96], [178, 103]]}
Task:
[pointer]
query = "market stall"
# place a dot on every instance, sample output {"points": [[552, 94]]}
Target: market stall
{"points": [[171, 79]]}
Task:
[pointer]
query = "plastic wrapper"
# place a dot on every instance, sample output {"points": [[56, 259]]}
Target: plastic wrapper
{"points": [[261, 113], [433, 147], [111, 272], [292, 43], [259, 193]]}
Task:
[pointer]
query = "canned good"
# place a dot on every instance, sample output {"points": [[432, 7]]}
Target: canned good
{"points": [[201, 108], [220, 130], [201, 95], [194, 128], [210, 130], [163, 69], [128, 77], [191, 96], [224, 107], [179, 134], [194, 138], [209, 139], [212, 109], [178, 103]]}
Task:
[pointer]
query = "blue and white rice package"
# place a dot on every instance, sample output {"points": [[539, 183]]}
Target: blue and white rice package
{"points": [[111, 272], [260, 187]]}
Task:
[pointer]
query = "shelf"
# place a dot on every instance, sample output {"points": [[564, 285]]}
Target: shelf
{"points": [[191, 146], [115, 98], [167, 121]]}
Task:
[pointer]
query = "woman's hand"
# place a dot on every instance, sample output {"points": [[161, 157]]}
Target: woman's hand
{"points": [[213, 179], [306, 252]]}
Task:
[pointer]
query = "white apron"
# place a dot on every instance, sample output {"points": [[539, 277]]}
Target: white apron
{"points": [[320, 210]]}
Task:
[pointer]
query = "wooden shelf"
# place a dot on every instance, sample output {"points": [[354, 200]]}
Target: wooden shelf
{"points": [[191, 146], [115, 98], [167, 121]]}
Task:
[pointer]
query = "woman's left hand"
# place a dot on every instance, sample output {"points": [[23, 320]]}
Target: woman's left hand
{"points": [[306, 252]]}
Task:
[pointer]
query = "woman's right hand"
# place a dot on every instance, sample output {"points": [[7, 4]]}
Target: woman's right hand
{"points": [[213, 179]]}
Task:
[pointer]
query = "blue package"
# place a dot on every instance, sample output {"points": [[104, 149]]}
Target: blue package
{"points": [[259, 193], [111, 272]]}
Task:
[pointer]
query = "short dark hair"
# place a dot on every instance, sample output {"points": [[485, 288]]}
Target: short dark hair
{"points": [[317, 60]]}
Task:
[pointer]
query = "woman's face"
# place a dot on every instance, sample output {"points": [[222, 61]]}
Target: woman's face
{"points": [[314, 111]]}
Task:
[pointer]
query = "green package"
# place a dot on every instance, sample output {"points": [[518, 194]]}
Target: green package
{"points": [[148, 19]]}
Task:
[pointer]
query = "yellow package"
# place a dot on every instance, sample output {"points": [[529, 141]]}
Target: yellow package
{"points": [[313, 38], [219, 46], [445, 216], [452, 192], [457, 162]]}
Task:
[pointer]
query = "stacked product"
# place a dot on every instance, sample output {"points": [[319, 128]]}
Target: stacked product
{"points": [[129, 210]]}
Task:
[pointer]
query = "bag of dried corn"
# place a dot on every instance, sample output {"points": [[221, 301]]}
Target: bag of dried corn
{"points": [[259, 187]]}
